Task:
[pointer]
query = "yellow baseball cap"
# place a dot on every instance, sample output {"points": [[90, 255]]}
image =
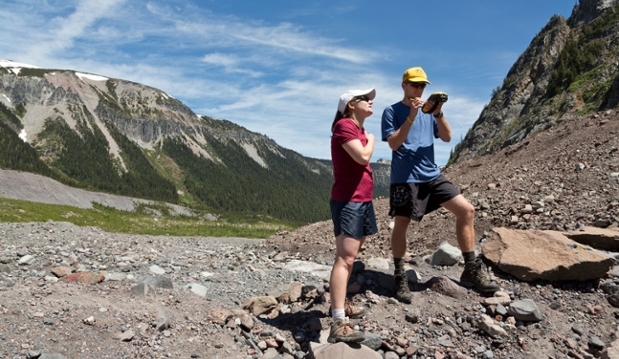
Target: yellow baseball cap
{"points": [[415, 74]]}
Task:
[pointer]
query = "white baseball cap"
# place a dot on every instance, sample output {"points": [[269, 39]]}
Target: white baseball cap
{"points": [[349, 95]]}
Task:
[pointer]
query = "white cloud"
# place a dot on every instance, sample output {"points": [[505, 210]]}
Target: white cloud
{"points": [[47, 36], [230, 31], [274, 71], [231, 64]]}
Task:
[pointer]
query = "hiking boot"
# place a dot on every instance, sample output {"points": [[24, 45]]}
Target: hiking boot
{"points": [[402, 292], [351, 310], [343, 331], [475, 275]]}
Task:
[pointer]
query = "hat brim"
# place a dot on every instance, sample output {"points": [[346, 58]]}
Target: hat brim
{"points": [[418, 79], [371, 94], [349, 95]]}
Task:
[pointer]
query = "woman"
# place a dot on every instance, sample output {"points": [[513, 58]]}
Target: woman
{"points": [[351, 203]]}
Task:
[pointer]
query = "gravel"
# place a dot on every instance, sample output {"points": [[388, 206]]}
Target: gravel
{"points": [[560, 179]]}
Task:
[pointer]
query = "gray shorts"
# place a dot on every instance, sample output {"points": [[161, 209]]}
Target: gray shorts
{"points": [[414, 200], [354, 219]]}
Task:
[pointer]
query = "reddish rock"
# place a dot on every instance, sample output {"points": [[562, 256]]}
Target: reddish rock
{"points": [[219, 315], [547, 255], [600, 238], [84, 277], [260, 305]]}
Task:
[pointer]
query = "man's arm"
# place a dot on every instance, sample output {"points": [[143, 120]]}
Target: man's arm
{"points": [[398, 137], [444, 130]]}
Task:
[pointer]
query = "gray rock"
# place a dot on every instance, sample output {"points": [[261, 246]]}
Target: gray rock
{"points": [[197, 288], [613, 299], [141, 289], [525, 310], [26, 260], [5, 268], [445, 255], [156, 269], [596, 343], [372, 341], [446, 286], [52, 356], [159, 282]]}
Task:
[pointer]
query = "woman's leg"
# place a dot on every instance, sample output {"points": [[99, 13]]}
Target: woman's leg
{"points": [[347, 249]]}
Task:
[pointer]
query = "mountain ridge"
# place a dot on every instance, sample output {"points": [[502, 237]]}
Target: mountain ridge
{"points": [[568, 70], [120, 137]]}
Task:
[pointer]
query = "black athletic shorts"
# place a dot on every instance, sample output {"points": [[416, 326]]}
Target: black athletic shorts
{"points": [[414, 200]]}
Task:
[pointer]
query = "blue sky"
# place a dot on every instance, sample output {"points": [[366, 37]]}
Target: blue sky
{"points": [[279, 67]]}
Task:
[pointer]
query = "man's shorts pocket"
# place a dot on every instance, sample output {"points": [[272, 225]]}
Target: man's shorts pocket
{"points": [[400, 195]]}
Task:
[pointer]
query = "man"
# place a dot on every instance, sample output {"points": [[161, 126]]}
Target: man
{"points": [[417, 186]]}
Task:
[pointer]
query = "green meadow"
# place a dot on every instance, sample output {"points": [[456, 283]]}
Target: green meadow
{"points": [[146, 219]]}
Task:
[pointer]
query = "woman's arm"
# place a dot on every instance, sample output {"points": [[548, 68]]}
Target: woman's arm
{"points": [[361, 154]]}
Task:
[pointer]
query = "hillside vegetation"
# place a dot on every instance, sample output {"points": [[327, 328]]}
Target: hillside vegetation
{"points": [[135, 141], [570, 69]]}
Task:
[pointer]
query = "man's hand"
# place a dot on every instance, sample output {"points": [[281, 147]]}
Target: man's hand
{"points": [[438, 110], [435, 100], [416, 102]]}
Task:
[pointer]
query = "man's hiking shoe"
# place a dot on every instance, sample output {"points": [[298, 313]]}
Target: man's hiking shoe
{"points": [[475, 275], [351, 310], [402, 292], [343, 331]]}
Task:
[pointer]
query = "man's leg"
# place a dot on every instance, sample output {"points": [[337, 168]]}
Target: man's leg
{"points": [[474, 274], [398, 249], [465, 222], [398, 236]]}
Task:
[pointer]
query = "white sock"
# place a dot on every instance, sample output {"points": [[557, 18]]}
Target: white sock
{"points": [[337, 314]]}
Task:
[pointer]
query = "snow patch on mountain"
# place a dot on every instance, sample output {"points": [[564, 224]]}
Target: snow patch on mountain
{"points": [[83, 76], [15, 67]]}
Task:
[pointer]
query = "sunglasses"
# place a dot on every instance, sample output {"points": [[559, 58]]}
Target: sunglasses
{"points": [[362, 98], [416, 84]]}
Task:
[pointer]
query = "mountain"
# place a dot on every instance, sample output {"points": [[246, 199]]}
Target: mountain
{"points": [[121, 137], [570, 69]]}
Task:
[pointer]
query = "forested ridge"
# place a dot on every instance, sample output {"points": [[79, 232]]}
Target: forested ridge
{"points": [[125, 138], [285, 189]]}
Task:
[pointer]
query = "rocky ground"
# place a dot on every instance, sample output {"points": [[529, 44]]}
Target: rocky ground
{"points": [[78, 292]]}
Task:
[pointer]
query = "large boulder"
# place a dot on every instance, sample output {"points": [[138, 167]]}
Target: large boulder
{"points": [[548, 255], [600, 238]]}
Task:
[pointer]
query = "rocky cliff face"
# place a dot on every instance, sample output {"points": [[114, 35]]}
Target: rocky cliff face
{"points": [[145, 115], [570, 68]]}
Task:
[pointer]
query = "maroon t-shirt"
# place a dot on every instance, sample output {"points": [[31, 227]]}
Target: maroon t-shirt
{"points": [[353, 182]]}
